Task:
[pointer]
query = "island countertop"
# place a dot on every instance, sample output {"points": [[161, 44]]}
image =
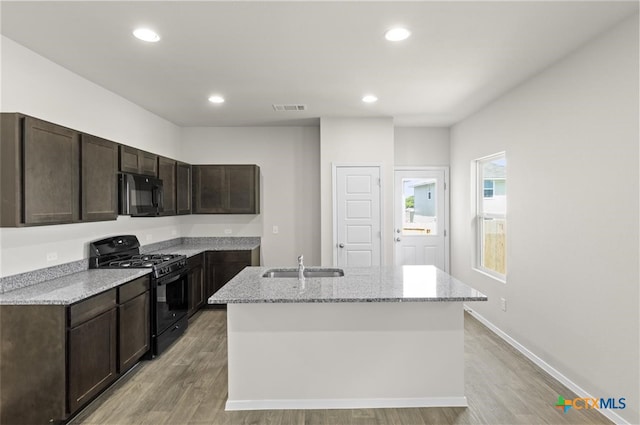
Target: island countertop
{"points": [[359, 284]]}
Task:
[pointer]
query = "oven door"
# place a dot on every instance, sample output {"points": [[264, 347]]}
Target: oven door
{"points": [[140, 196], [171, 301]]}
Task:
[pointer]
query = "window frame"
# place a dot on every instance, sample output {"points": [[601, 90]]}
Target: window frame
{"points": [[480, 216]]}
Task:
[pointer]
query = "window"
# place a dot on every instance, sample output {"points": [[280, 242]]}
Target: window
{"points": [[488, 189], [491, 215]]}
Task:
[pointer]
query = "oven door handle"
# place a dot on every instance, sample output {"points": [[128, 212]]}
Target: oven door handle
{"points": [[173, 279], [155, 196]]}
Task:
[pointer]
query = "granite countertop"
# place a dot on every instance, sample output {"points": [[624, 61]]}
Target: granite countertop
{"points": [[73, 282], [71, 288], [359, 284], [195, 246]]}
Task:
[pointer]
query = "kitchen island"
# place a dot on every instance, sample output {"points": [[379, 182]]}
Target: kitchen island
{"points": [[376, 337]]}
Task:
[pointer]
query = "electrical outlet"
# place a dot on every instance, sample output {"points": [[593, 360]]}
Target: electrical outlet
{"points": [[503, 304], [174, 232], [275, 229], [149, 238], [227, 231], [52, 256]]}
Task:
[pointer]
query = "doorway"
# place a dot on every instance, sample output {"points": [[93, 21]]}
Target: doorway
{"points": [[421, 208]]}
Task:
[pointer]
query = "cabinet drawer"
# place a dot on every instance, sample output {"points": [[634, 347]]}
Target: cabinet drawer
{"points": [[231, 256], [92, 307], [133, 289]]}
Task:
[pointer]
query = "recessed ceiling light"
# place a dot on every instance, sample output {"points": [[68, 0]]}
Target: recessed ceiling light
{"points": [[397, 34], [145, 34], [216, 99], [369, 98]]}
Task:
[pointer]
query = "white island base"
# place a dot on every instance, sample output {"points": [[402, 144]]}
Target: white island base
{"points": [[345, 355]]}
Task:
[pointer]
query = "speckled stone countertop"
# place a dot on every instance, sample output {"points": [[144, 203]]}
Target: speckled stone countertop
{"points": [[79, 283], [195, 246], [359, 284], [71, 288]]}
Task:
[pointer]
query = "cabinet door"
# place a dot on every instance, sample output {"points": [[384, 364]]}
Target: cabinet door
{"points": [[135, 161], [148, 163], [210, 195], [209, 275], [92, 358], [222, 266], [196, 289], [243, 187], [99, 179], [167, 173], [129, 160], [134, 330], [51, 173], [183, 188], [226, 189]]}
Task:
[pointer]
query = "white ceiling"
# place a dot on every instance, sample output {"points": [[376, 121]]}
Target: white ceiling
{"points": [[327, 55]]}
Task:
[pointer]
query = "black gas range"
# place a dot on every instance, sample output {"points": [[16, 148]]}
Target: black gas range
{"points": [[169, 284]]}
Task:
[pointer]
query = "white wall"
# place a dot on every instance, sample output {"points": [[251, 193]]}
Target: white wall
{"points": [[360, 140], [36, 86], [571, 141], [421, 146], [289, 159]]}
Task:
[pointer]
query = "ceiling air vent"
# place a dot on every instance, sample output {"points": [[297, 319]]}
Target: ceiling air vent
{"points": [[290, 107]]}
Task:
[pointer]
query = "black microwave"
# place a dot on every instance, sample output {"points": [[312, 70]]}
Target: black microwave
{"points": [[140, 196]]}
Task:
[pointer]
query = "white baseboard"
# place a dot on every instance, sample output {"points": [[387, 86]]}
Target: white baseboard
{"points": [[345, 403], [556, 374]]}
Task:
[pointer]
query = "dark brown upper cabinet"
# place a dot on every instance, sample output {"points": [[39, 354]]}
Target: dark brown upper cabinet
{"points": [[167, 173], [99, 177], [136, 161], [40, 172], [183, 188], [226, 189]]}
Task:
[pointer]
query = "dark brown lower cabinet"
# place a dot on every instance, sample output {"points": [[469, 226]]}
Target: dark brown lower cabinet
{"points": [[55, 358], [32, 364], [196, 283], [222, 266], [134, 322], [92, 358]]}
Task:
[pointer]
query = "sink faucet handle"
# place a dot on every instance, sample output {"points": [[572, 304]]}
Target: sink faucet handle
{"points": [[300, 259]]}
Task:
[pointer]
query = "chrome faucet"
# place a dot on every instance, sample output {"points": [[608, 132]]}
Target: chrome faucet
{"points": [[301, 267]]}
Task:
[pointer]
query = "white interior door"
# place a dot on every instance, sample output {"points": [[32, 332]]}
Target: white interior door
{"points": [[357, 216], [420, 215]]}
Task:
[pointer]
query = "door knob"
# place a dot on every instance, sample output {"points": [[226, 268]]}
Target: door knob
{"points": [[397, 239], [340, 245], [397, 230]]}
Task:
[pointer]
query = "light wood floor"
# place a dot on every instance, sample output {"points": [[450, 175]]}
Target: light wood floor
{"points": [[188, 385]]}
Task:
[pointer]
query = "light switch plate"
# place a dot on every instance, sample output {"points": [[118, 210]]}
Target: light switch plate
{"points": [[275, 229]]}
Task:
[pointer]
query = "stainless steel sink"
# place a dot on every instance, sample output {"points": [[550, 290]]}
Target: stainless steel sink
{"points": [[310, 273]]}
